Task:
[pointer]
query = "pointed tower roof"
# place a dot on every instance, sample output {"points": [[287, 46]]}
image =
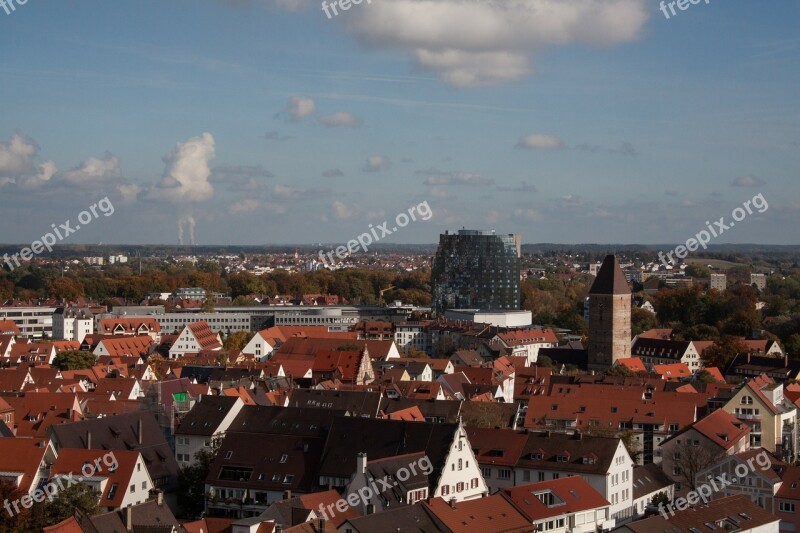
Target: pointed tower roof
{"points": [[610, 279]]}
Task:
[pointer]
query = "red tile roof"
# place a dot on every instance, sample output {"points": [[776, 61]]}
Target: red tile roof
{"points": [[24, 456], [73, 460], [721, 428], [632, 363], [574, 494], [673, 370], [490, 513]]}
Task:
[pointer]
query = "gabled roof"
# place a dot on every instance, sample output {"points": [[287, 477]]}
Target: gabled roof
{"points": [[648, 479], [128, 326], [357, 403], [633, 364], [562, 452], [8, 327], [72, 460], [122, 432], [490, 513], [497, 447], [720, 427], [205, 336], [206, 415], [22, 456], [122, 346], [571, 494], [411, 518], [380, 439], [610, 279], [673, 370], [738, 511]]}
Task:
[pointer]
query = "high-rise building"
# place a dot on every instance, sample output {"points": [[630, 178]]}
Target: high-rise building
{"points": [[759, 281], [609, 316], [476, 270], [719, 282]]}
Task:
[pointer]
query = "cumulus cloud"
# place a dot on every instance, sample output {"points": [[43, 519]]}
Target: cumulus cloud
{"points": [[540, 141], [748, 181], [43, 176], [342, 119], [298, 108], [93, 171], [241, 177], [437, 178], [186, 177], [332, 173], [16, 155], [503, 35], [376, 163]]}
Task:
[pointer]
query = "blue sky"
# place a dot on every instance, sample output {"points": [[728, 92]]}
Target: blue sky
{"points": [[263, 121]]}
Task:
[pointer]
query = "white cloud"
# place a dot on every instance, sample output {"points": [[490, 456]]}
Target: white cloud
{"points": [[93, 171], [185, 178], [16, 155], [340, 211], [43, 175], [342, 119], [540, 141], [376, 163], [478, 42], [748, 181], [247, 205], [298, 108]]}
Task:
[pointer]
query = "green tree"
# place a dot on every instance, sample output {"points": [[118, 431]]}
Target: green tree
{"points": [[660, 498], [237, 340], [192, 484], [80, 497], [74, 360], [723, 351]]}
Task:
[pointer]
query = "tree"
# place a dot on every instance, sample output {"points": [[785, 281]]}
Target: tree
{"points": [[79, 497], [74, 360], [660, 498], [704, 376], [722, 352], [10, 520], [544, 362], [192, 483], [620, 370], [692, 459], [237, 340], [628, 438]]}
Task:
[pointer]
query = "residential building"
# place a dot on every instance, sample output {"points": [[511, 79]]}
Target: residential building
{"points": [[194, 338], [717, 435], [649, 480], [760, 403], [205, 424], [133, 327], [718, 282], [565, 505], [72, 324], [609, 316], [759, 281], [476, 269], [753, 474], [25, 463], [735, 513], [492, 513]]}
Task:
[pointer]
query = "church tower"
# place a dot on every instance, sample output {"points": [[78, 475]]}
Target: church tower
{"points": [[609, 316]]}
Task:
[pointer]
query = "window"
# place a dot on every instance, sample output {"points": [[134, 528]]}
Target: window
{"points": [[460, 464], [228, 454], [474, 483], [284, 458], [445, 490], [288, 478], [526, 475], [503, 473], [144, 485], [786, 507], [133, 488], [541, 476], [112, 491], [487, 472]]}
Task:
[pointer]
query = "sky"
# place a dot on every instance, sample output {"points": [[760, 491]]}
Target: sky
{"points": [[254, 122]]}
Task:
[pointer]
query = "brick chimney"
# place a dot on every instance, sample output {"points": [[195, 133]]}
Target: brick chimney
{"points": [[129, 518]]}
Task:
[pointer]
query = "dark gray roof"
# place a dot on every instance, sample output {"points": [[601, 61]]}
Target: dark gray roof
{"points": [[648, 479], [277, 420], [408, 519], [271, 459], [380, 439], [206, 415], [433, 410], [356, 403], [550, 445], [610, 279], [121, 432], [199, 373]]}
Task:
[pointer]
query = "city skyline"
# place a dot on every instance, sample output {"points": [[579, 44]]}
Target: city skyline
{"points": [[249, 123]]}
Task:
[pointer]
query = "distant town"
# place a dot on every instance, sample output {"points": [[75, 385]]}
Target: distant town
{"points": [[457, 387]]}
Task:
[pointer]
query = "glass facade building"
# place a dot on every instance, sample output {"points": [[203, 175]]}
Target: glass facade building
{"points": [[476, 270]]}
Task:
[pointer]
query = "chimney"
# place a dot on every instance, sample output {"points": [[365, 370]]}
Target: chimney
{"points": [[452, 503], [129, 518], [140, 430], [287, 495], [361, 463], [321, 526]]}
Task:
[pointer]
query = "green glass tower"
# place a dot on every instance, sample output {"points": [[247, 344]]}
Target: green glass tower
{"points": [[476, 270]]}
